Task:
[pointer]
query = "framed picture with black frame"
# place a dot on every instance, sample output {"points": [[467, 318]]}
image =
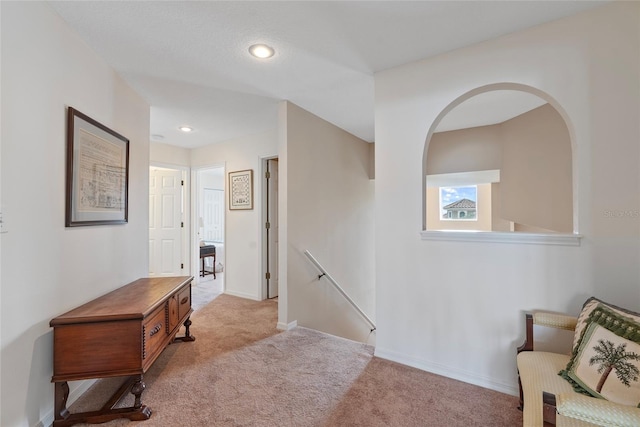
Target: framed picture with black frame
{"points": [[97, 182]]}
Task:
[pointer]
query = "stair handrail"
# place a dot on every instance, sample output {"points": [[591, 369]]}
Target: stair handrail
{"points": [[339, 288]]}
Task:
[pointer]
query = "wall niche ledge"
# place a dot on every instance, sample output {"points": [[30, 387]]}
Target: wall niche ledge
{"points": [[560, 239]]}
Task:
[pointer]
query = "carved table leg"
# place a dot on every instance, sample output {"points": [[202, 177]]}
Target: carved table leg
{"points": [[187, 335], [136, 390], [108, 412], [61, 394]]}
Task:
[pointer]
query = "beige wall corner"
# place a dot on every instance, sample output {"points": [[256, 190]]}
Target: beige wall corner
{"points": [[330, 214]]}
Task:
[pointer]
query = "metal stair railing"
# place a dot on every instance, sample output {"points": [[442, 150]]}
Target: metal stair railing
{"points": [[339, 288]]}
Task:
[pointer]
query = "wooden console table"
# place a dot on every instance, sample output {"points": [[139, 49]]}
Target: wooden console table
{"points": [[118, 334]]}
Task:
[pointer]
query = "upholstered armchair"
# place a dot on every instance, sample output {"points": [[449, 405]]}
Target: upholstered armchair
{"points": [[548, 398]]}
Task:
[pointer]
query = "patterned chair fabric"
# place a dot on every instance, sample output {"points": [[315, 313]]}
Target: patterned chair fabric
{"points": [[538, 373]]}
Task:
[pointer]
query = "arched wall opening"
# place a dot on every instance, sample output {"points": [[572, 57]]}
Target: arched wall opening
{"points": [[513, 173]]}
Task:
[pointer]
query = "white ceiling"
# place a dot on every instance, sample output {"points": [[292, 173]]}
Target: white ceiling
{"points": [[489, 108], [189, 59]]}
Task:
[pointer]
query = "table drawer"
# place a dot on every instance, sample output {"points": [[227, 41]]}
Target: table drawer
{"points": [[154, 333], [184, 302]]}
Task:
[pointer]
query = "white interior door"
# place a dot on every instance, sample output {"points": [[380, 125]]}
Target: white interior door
{"points": [[213, 215], [165, 222], [272, 231]]}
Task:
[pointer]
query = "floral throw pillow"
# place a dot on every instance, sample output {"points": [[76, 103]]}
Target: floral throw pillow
{"points": [[606, 362]]}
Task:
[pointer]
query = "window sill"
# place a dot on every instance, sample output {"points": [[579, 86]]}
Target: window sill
{"points": [[502, 237]]}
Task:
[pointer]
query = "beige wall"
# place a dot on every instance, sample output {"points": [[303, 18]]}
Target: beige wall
{"points": [[47, 269], [170, 155], [536, 175], [532, 152], [497, 222], [464, 150], [430, 315], [329, 211]]}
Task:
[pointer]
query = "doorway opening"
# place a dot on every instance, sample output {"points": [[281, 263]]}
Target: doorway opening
{"points": [[210, 231]]}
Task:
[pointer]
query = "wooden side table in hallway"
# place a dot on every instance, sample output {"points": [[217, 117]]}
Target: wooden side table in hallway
{"points": [[208, 251]]}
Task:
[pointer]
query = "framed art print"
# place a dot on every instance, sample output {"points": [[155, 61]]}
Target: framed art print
{"points": [[241, 190], [97, 173]]}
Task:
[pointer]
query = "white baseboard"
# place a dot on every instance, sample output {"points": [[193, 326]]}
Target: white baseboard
{"points": [[243, 295], [74, 394], [287, 326], [446, 371]]}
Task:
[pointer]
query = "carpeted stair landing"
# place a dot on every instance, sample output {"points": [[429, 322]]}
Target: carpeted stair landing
{"points": [[241, 371]]}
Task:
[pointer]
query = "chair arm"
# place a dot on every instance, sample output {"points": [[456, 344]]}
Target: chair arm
{"points": [[544, 318], [597, 411], [553, 320]]}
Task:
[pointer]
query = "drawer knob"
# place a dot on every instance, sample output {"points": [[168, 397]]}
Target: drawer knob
{"points": [[184, 300], [155, 329]]}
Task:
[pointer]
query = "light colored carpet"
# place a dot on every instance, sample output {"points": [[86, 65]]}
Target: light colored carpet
{"points": [[241, 372]]}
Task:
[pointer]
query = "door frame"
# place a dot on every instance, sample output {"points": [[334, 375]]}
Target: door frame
{"points": [[264, 216], [194, 248], [185, 236]]}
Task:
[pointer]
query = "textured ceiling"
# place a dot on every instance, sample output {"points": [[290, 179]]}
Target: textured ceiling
{"points": [[189, 60]]}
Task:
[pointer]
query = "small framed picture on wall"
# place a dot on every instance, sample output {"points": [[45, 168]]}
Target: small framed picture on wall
{"points": [[241, 190]]}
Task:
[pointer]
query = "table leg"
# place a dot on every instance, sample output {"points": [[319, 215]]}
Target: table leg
{"points": [[136, 390], [61, 394], [187, 334], [108, 412]]}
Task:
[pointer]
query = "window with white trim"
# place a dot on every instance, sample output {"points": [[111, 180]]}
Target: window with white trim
{"points": [[458, 203]]}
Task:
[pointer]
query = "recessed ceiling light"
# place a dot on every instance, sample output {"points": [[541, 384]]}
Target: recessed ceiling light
{"points": [[186, 129], [261, 51], [157, 136]]}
